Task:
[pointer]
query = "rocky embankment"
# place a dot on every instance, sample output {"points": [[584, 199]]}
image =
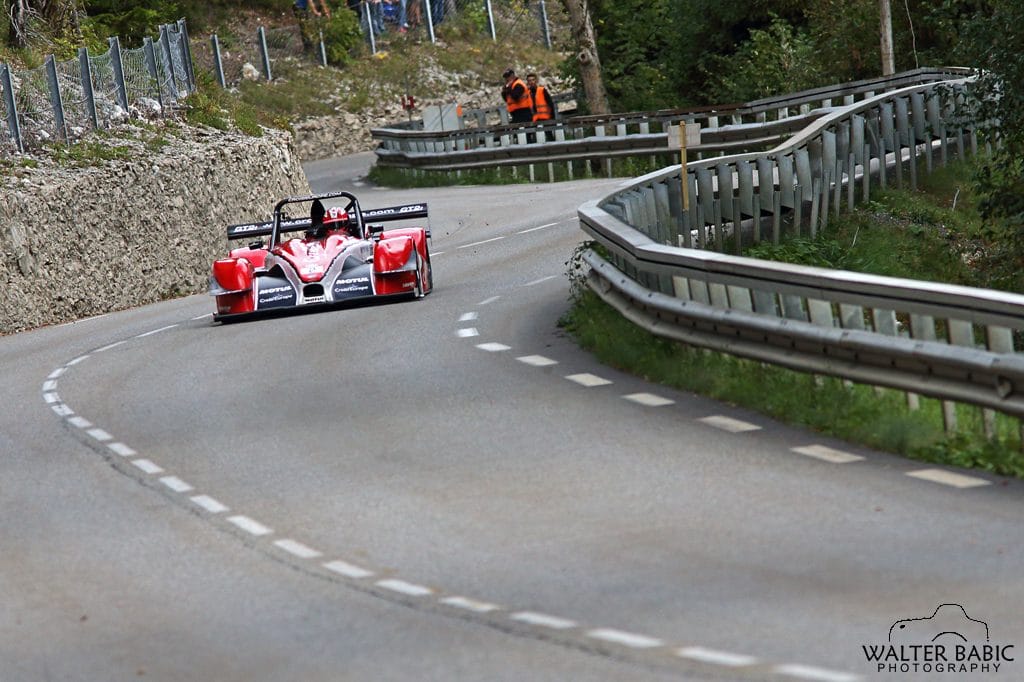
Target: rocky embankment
{"points": [[83, 241]]}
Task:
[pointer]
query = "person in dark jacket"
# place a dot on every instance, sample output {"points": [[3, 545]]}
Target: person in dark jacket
{"points": [[517, 98]]}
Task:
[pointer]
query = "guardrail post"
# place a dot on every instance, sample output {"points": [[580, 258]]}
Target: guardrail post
{"points": [[55, 99], [87, 92], [120, 88], [261, 38], [218, 65], [13, 125]]}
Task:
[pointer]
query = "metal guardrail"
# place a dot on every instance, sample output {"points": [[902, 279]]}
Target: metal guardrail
{"points": [[750, 127], [666, 270]]}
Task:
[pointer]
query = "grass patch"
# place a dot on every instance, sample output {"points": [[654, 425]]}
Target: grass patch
{"points": [[932, 234], [855, 413]]}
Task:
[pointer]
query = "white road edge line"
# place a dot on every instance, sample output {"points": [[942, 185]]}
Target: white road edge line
{"points": [[699, 653], [250, 526], [209, 504], [122, 449], [538, 281], [176, 484], [486, 241], [543, 619], [488, 301], [629, 639], [539, 227], [807, 672], [346, 569], [403, 587], [155, 331], [470, 604], [148, 466], [948, 478], [298, 549]]}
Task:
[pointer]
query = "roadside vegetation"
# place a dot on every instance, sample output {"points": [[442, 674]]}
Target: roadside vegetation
{"points": [[933, 234]]}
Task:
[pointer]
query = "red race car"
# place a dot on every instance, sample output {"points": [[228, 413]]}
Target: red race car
{"points": [[339, 258]]}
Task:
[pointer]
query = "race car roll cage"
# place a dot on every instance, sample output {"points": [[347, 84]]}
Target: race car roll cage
{"points": [[352, 208], [282, 223]]}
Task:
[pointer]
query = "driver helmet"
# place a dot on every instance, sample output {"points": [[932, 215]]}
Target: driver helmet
{"points": [[337, 218]]}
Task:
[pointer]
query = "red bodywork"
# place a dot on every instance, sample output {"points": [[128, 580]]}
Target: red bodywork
{"points": [[332, 267]]}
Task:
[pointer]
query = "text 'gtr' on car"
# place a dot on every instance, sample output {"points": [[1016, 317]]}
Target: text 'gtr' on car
{"points": [[340, 258]]}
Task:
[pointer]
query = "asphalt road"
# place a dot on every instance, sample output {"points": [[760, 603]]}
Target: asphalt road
{"points": [[449, 489]]}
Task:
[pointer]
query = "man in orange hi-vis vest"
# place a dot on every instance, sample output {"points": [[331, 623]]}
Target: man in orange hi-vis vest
{"points": [[517, 98], [543, 107]]}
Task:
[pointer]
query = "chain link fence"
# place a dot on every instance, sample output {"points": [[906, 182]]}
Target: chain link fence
{"points": [[63, 100], [381, 22]]}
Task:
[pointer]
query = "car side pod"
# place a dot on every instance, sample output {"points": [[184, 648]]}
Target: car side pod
{"points": [[396, 266], [231, 276], [231, 282]]}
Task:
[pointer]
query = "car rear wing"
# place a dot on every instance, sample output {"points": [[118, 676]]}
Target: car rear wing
{"points": [[262, 229]]}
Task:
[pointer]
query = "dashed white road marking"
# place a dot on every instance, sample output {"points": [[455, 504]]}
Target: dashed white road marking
{"points": [[588, 380], [57, 373], [51, 398], [50, 385], [403, 587], [298, 549], [486, 241], [948, 478], [488, 301], [537, 360], [155, 331], [629, 639], [827, 454], [464, 317], [108, 346], [250, 526], [209, 504], [538, 281], [539, 227], [147, 466], [176, 484], [543, 620], [346, 569], [648, 399], [62, 410], [80, 358], [467, 332], [100, 435], [699, 653], [729, 424], [470, 604], [80, 422], [200, 317], [493, 347], [122, 449], [807, 672]]}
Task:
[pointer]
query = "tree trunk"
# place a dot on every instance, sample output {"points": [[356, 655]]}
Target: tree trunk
{"points": [[18, 12], [888, 60], [586, 55]]}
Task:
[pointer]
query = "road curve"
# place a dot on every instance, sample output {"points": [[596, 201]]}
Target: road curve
{"points": [[450, 489]]}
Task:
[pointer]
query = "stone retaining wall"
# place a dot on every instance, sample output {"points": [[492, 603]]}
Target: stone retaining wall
{"points": [[78, 242]]}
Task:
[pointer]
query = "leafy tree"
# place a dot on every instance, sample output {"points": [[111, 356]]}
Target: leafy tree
{"points": [[131, 20], [775, 60], [993, 41]]}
